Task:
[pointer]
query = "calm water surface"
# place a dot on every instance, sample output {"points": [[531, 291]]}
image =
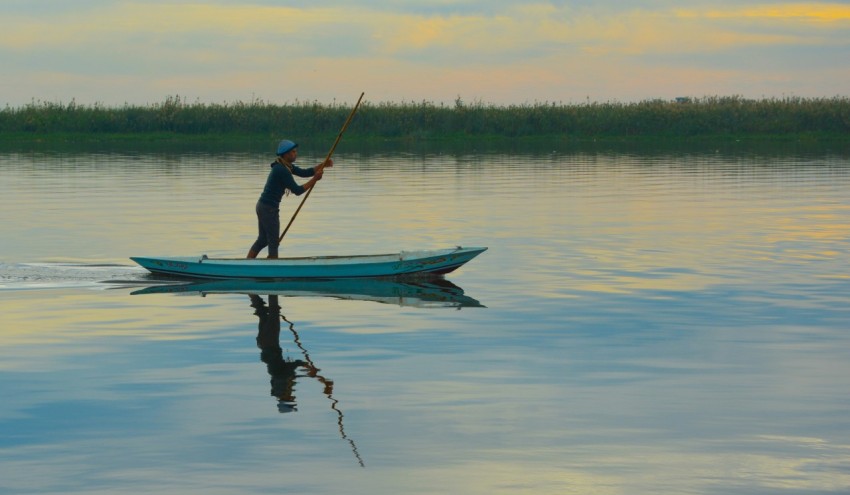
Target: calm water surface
{"points": [[641, 324]]}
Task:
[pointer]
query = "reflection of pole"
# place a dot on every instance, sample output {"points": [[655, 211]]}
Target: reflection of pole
{"points": [[329, 387]]}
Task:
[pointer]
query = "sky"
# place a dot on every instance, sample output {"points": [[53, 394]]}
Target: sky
{"points": [[488, 51]]}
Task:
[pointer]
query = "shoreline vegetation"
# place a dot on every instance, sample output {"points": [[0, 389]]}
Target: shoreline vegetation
{"points": [[247, 124]]}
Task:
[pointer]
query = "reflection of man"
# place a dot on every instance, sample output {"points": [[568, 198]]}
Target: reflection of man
{"points": [[282, 371]]}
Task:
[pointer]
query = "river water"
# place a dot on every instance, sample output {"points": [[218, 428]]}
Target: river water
{"points": [[644, 322]]}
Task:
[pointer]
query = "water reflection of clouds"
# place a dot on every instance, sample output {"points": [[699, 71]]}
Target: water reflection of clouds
{"points": [[642, 405], [632, 343], [33, 317]]}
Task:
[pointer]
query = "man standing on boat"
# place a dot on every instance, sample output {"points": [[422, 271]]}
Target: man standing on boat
{"points": [[279, 182]]}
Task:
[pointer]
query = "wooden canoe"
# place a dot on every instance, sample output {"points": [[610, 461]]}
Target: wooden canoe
{"points": [[405, 263]]}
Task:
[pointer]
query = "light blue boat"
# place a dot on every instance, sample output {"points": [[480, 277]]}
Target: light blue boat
{"points": [[405, 263]]}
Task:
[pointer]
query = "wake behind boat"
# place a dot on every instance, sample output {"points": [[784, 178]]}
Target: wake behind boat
{"points": [[439, 261]]}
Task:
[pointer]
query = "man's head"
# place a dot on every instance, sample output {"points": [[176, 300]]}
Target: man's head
{"points": [[287, 150]]}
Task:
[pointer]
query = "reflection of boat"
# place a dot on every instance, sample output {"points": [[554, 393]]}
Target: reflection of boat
{"points": [[422, 292], [379, 265]]}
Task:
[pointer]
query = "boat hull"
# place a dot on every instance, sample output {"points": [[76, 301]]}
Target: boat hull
{"points": [[384, 265]]}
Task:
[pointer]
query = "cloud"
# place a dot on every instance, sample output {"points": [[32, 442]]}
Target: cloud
{"points": [[538, 30], [513, 29], [792, 12], [488, 49], [125, 22]]}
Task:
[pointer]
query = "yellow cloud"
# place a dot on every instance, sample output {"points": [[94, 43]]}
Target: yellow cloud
{"points": [[127, 20], [535, 29], [819, 12], [398, 33], [600, 32]]}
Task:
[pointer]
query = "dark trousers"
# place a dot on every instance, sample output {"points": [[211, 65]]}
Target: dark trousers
{"points": [[268, 225]]}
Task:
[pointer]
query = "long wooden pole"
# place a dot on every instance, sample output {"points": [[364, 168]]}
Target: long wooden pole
{"points": [[330, 153]]}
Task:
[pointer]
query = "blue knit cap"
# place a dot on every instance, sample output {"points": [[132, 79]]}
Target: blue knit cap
{"points": [[285, 146]]}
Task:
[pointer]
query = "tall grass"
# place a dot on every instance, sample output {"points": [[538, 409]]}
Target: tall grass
{"points": [[708, 116]]}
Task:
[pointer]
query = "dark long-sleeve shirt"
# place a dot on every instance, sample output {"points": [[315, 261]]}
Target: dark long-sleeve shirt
{"points": [[280, 179]]}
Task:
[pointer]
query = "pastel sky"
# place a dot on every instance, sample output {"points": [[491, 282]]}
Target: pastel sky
{"points": [[491, 51]]}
